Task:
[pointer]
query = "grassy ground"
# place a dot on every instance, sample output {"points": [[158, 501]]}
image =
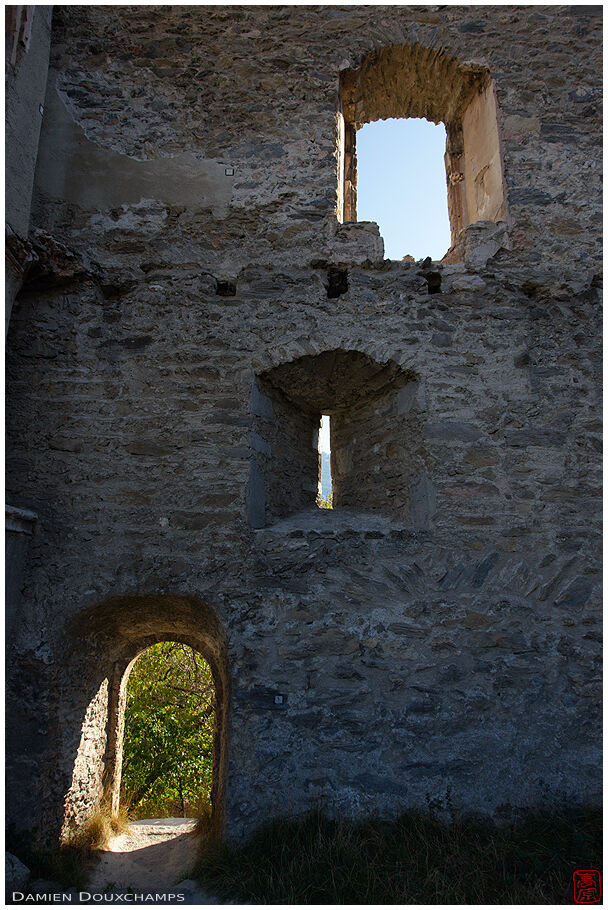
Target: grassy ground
{"points": [[415, 859]]}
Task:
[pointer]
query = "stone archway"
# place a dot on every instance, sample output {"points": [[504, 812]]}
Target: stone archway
{"points": [[107, 639]]}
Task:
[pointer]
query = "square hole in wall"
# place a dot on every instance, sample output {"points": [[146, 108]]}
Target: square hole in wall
{"points": [[376, 442]]}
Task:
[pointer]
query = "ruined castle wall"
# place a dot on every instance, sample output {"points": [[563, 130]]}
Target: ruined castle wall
{"points": [[442, 632]]}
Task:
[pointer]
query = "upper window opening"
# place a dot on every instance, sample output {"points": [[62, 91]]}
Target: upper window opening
{"points": [[416, 82], [401, 186], [325, 496]]}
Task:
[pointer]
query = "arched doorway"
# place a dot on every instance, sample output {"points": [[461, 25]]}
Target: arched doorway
{"points": [[104, 643]]}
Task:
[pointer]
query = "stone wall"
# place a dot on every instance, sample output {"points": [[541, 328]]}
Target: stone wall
{"points": [[442, 628]]}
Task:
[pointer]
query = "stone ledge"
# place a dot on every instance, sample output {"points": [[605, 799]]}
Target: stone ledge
{"points": [[357, 242], [478, 243], [335, 523]]}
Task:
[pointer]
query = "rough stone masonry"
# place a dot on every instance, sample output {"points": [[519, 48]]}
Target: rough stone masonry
{"points": [[194, 291]]}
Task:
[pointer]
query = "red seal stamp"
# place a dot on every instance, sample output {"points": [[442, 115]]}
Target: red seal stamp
{"points": [[587, 886]]}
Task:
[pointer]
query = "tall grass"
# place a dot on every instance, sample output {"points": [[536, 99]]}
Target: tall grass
{"points": [[99, 828], [414, 859]]}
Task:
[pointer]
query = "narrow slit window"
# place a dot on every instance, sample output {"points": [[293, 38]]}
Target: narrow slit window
{"points": [[325, 495], [401, 185]]}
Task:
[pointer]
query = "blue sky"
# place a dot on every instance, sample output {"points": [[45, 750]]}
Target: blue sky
{"points": [[401, 185], [324, 434]]}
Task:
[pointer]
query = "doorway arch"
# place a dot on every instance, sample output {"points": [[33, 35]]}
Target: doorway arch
{"points": [[106, 639]]}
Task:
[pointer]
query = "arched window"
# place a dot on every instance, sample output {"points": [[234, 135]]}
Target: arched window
{"points": [[401, 82]]}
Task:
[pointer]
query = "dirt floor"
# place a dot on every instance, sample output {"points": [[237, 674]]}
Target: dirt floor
{"points": [[154, 856]]}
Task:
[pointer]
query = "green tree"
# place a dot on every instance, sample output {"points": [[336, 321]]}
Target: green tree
{"points": [[168, 741]]}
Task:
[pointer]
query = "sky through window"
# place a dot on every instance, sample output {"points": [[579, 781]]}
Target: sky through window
{"points": [[401, 186]]}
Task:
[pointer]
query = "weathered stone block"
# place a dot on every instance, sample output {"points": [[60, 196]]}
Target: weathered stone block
{"points": [[16, 875]]}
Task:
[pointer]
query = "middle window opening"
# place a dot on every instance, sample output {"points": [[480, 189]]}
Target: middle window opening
{"points": [[325, 494]]}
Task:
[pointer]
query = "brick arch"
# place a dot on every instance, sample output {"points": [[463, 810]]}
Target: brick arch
{"points": [[318, 343], [426, 82], [106, 639]]}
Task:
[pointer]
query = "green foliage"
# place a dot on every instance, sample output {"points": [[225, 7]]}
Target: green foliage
{"points": [[414, 859], [327, 503], [168, 742]]}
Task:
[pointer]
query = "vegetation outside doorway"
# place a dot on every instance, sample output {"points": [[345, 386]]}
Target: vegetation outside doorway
{"points": [[167, 755]]}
